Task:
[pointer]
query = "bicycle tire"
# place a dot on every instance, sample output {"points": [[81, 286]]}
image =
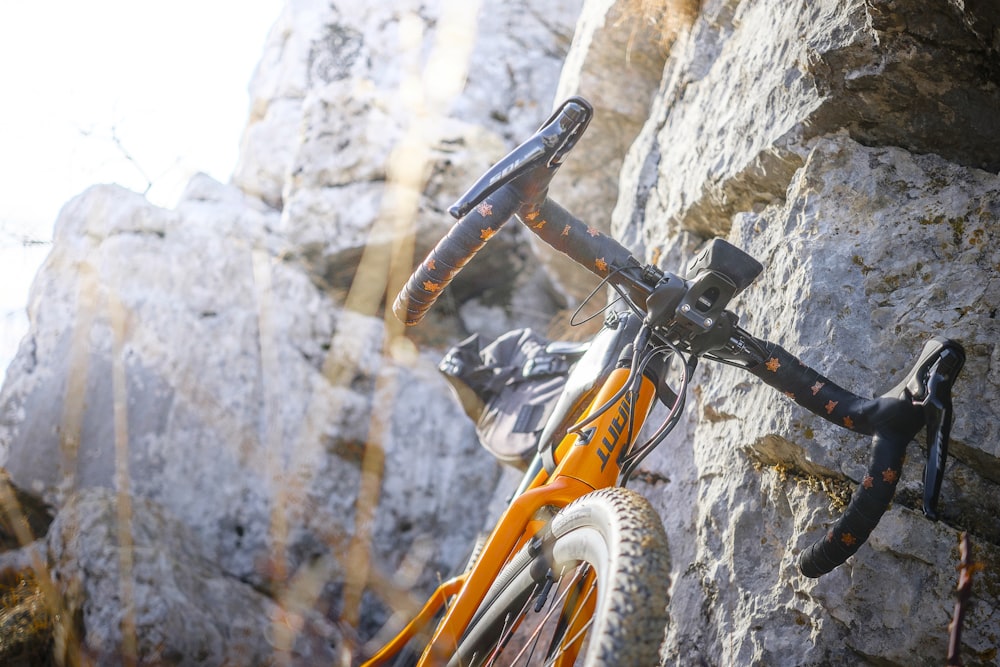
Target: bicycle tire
{"points": [[615, 534]]}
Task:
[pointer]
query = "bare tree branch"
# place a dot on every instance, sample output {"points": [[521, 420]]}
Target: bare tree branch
{"points": [[966, 569]]}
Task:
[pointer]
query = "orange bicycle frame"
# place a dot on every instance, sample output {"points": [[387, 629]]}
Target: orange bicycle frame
{"points": [[587, 459]]}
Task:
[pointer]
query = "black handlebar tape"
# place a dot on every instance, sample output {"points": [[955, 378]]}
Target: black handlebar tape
{"points": [[585, 245], [814, 392], [893, 419], [870, 501], [453, 252]]}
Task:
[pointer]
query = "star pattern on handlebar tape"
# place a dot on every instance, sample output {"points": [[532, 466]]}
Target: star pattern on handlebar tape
{"points": [[601, 265], [531, 218], [846, 538], [593, 232], [773, 364], [889, 476], [486, 233], [432, 286], [485, 209]]}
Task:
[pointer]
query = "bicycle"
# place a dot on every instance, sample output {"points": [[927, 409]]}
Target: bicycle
{"points": [[577, 566]]}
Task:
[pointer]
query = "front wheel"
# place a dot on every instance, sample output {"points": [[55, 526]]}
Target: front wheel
{"points": [[590, 589]]}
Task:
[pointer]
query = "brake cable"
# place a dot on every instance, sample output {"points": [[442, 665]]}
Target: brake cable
{"points": [[622, 296], [636, 455]]}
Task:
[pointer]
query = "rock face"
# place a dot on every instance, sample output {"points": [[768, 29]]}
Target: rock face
{"points": [[844, 152], [200, 361], [181, 608], [207, 430], [396, 109], [230, 435], [857, 306]]}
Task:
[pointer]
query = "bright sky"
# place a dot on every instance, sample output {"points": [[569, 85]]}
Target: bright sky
{"points": [[86, 85]]}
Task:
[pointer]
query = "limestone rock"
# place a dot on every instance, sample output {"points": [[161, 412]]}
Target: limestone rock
{"points": [[252, 431], [392, 127], [737, 110], [828, 141], [764, 473], [185, 357], [615, 63], [160, 594]]}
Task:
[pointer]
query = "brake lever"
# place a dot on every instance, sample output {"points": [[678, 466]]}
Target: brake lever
{"points": [[928, 386], [941, 370], [546, 148]]}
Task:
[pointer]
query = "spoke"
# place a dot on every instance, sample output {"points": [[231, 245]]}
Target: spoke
{"points": [[562, 574], [580, 605], [509, 626], [552, 600], [503, 636], [572, 640], [548, 614]]}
